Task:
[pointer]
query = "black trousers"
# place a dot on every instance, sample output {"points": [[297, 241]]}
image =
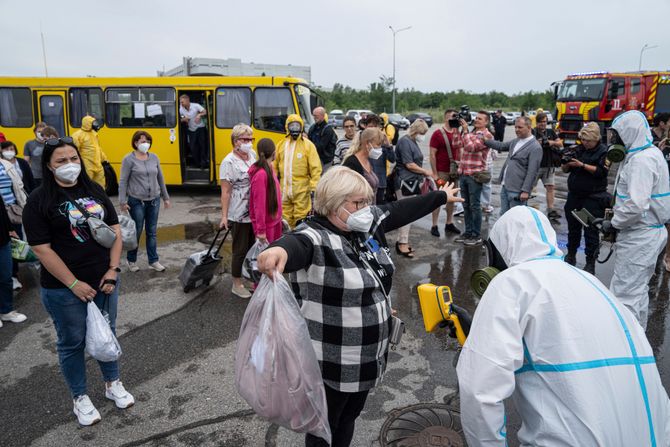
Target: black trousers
{"points": [[380, 198], [343, 410], [499, 134], [243, 240], [596, 205], [199, 147]]}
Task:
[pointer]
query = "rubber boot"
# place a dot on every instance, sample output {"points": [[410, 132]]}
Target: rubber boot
{"points": [[571, 257], [590, 265]]}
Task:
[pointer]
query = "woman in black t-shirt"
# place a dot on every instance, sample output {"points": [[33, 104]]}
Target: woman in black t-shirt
{"points": [[75, 268]]}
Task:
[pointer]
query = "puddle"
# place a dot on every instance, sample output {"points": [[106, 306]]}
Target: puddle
{"points": [[199, 231]]}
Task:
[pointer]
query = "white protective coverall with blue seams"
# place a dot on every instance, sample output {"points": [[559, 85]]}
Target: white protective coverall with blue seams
{"points": [[641, 209], [575, 360]]}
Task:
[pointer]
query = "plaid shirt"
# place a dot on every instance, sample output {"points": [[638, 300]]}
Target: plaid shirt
{"points": [[475, 153], [347, 313]]}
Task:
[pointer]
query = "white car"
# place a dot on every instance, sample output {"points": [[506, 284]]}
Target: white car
{"points": [[357, 114]]}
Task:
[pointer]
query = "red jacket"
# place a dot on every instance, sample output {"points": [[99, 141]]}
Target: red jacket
{"points": [[258, 196]]}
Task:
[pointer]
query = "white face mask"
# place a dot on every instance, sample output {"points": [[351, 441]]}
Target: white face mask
{"points": [[360, 220], [375, 153], [420, 138], [38, 135], [143, 147], [8, 155], [68, 173], [246, 147]]}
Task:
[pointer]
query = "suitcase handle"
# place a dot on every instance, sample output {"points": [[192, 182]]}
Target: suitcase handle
{"points": [[209, 251]]}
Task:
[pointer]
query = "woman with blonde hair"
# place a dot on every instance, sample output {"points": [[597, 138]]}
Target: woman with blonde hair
{"points": [[367, 146], [341, 272], [235, 186], [411, 175]]}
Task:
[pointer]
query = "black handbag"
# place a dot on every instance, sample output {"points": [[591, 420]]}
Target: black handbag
{"points": [[411, 187]]}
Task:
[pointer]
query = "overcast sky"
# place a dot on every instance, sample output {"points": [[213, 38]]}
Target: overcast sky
{"points": [[481, 45]]}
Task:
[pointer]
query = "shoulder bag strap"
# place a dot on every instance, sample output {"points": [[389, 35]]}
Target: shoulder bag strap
{"points": [[446, 142], [79, 207]]}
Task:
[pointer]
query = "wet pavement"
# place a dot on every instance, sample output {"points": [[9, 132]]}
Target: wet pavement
{"points": [[179, 348]]}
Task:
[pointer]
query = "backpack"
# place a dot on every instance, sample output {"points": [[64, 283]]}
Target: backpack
{"points": [[396, 135]]}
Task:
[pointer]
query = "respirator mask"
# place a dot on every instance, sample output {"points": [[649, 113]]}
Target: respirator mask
{"points": [[616, 149], [481, 278]]}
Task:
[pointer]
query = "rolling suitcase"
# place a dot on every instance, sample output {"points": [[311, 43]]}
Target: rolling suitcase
{"points": [[199, 268]]}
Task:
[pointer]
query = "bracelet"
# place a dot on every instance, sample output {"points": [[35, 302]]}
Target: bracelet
{"points": [[73, 284]]}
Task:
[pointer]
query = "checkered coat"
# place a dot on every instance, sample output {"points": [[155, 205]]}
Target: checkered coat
{"points": [[347, 312]]}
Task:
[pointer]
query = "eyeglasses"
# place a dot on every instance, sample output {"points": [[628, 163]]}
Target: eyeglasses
{"points": [[53, 142], [360, 203], [246, 140]]}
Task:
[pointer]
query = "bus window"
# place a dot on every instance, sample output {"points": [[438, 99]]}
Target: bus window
{"points": [[16, 107], [233, 106], [303, 96], [51, 112], [271, 108], [140, 107], [85, 101]]}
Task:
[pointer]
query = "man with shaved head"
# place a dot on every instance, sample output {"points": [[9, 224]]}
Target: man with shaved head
{"points": [[324, 138]]}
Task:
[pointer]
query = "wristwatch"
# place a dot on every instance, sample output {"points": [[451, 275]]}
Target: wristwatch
{"points": [[116, 269]]}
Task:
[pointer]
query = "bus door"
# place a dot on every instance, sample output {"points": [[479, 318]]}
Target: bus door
{"points": [[51, 109], [194, 170]]}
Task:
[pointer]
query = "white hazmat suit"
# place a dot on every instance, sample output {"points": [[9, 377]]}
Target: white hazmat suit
{"points": [[641, 209], [575, 360]]}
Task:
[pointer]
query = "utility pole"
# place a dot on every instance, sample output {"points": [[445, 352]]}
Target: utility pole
{"points": [[394, 33], [644, 48], [44, 52]]}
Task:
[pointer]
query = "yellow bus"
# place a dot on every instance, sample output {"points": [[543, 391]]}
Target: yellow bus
{"points": [[126, 105]]}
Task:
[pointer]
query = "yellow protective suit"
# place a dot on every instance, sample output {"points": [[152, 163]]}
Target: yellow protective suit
{"points": [[298, 167], [86, 140], [388, 130], [533, 118]]}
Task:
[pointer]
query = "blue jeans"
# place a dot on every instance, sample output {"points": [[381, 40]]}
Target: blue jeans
{"points": [[486, 194], [6, 297], [471, 191], [509, 199], [145, 214], [69, 317]]}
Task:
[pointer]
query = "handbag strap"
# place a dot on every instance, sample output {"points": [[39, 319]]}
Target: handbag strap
{"points": [[448, 144], [81, 209]]}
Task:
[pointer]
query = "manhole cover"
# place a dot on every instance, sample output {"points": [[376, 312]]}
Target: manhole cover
{"points": [[423, 425], [207, 209]]}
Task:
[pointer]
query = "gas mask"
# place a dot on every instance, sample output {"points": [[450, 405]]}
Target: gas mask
{"points": [[616, 149], [480, 279], [96, 125], [295, 129]]}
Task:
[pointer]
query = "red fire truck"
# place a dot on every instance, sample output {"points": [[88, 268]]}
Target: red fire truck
{"points": [[601, 96]]}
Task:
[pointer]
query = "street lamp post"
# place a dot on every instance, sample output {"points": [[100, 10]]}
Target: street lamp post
{"points": [[394, 33], [645, 47]]}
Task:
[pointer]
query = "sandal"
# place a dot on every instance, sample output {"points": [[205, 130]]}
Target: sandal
{"points": [[407, 254]]}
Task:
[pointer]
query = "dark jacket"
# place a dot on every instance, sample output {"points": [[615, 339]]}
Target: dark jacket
{"points": [[28, 178], [551, 156], [583, 183], [325, 139], [499, 123]]}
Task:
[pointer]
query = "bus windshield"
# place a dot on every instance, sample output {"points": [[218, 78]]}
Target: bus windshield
{"points": [[303, 95], [582, 90]]}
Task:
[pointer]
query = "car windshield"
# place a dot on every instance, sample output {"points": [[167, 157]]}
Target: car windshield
{"points": [[303, 96], [582, 90]]}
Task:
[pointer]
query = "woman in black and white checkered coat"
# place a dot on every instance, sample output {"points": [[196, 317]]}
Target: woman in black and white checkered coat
{"points": [[341, 271]]}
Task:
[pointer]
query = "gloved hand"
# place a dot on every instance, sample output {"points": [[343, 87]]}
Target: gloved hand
{"points": [[604, 226]]}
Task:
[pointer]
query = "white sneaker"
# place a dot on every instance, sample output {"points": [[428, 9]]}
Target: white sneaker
{"points": [[85, 411], [117, 393], [13, 316], [157, 266], [132, 267], [0, 323], [241, 291], [16, 284]]}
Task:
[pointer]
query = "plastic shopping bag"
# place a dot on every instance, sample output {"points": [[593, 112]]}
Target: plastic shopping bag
{"points": [[128, 232], [250, 266], [101, 343], [21, 251], [276, 370]]}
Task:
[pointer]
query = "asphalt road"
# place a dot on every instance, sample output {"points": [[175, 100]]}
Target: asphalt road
{"points": [[178, 357]]}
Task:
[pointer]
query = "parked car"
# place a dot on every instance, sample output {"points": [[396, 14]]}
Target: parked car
{"points": [[398, 120], [357, 114], [511, 116], [424, 116], [335, 119]]}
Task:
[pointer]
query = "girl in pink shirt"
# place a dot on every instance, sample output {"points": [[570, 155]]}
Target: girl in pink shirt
{"points": [[265, 197]]}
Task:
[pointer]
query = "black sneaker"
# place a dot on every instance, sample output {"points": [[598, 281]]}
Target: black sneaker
{"points": [[451, 228], [434, 231], [473, 240], [463, 237], [553, 214], [571, 258]]}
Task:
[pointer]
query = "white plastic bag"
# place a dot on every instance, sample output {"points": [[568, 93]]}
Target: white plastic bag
{"points": [[101, 343], [250, 265], [128, 232], [276, 370]]}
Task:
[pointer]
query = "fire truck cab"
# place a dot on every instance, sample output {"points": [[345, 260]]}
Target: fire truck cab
{"points": [[601, 96]]}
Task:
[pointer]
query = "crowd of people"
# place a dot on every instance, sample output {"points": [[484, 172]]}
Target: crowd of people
{"points": [[340, 197]]}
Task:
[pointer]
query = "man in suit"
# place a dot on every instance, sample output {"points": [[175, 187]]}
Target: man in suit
{"points": [[521, 167]]}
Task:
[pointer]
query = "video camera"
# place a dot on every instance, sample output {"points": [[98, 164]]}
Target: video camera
{"points": [[464, 114], [568, 154]]}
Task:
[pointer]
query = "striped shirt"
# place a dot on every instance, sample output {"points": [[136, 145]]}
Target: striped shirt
{"points": [[6, 187]]}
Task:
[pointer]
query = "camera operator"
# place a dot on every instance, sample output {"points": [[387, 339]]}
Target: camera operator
{"points": [[587, 188], [551, 159]]}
